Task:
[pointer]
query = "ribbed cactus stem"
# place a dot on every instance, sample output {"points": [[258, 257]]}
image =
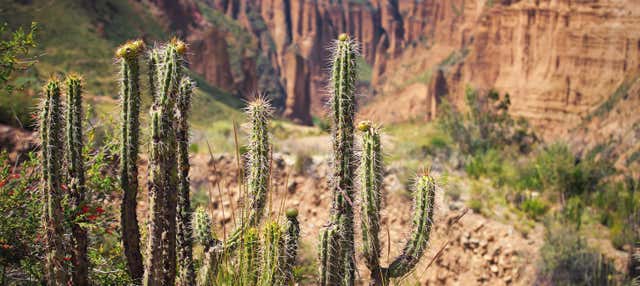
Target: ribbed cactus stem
{"points": [[76, 178], [55, 269], [185, 238], [250, 257], [330, 256], [343, 108], [423, 210], [152, 72], [371, 171], [129, 54], [291, 238], [160, 268], [272, 251], [259, 112]]}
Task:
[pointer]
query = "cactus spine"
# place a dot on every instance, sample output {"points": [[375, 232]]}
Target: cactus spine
{"points": [[52, 150], [76, 178], [160, 268], [337, 255], [129, 54], [185, 235], [424, 196]]}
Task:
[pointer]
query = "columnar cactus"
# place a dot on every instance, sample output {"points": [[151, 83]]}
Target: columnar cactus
{"points": [[424, 196], [129, 54], [185, 240], [337, 258], [160, 268], [51, 126], [76, 177], [259, 169], [371, 172], [265, 259], [259, 112], [291, 238]]}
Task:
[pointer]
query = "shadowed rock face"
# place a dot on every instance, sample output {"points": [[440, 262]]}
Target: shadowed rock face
{"points": [[557, 59]]}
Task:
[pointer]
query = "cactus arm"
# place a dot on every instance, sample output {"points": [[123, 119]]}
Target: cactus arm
{"points": [[185, 251], [129, 54], [53, 224], [371, 171], [76, 178], [424, 199]]}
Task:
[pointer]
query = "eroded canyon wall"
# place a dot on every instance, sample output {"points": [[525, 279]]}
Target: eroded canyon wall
{"points": [[558, 59]]}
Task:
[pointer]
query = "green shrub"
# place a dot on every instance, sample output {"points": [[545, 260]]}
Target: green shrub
{"points": [[534, 208], [321, 123], [475, 205]]}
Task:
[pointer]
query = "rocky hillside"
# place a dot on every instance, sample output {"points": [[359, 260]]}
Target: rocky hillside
{"points": [[559, 60]]}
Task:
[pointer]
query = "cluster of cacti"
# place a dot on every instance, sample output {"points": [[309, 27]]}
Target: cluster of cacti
{"points": [[264, 254], [337, 257], [263, 259]]}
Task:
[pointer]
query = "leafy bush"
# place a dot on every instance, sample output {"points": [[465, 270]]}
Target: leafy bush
{"points": [[21, 209]]}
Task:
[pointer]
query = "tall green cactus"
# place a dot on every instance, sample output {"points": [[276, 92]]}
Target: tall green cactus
{"points": [[186, 275], [129, 54], [51, 129], [337, 258], [160, 268], [259, 111], [76, 175], [424, 196]]}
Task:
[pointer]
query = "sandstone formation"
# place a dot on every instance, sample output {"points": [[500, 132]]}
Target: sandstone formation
{"points": [[558, 59]]}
